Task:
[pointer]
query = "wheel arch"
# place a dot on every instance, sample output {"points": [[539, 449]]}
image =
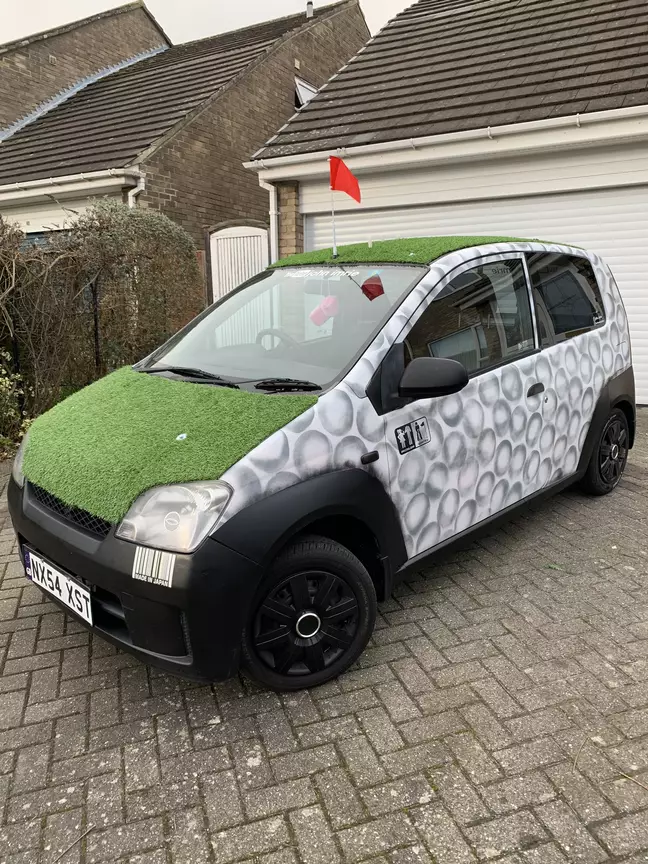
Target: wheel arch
{"points": [[350, 506]]}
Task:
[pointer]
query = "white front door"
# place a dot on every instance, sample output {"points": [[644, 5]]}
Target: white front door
{"points": [[237, 254], [465, 457]]}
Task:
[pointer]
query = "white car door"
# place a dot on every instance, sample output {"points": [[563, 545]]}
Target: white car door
{"points": [[464, 457]]}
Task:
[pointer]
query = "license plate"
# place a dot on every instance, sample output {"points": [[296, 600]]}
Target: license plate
{"points": [[65, 589]]}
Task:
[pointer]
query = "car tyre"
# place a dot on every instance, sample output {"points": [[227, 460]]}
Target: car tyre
{"points": [[608, 461], [311, 617]]}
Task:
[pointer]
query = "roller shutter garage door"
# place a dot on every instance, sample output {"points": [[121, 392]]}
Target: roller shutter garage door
{"points": [[611, 222]]}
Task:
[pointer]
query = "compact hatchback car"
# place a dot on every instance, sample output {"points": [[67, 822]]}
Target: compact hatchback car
{"points": [[246, 493]]}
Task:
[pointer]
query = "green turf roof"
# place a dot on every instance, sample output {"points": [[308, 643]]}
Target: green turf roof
{"points": [[105, 445], [415, 250]]}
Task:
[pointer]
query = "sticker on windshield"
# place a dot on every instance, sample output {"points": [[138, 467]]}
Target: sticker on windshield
{"points": [[334, 273], [412, 435]]}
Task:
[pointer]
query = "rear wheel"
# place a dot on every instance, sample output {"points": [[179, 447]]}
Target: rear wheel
{"points": [[609, 458], [311, 618]]}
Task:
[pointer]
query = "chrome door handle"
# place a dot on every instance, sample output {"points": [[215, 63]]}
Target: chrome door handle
{"points": [[536, 389]]}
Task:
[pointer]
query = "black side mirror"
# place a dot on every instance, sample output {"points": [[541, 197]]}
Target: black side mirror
{"points": [[427, 377]]}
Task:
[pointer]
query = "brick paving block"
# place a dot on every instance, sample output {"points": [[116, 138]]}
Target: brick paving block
{"points": [[44, 685], [13, 682], [141, 768], [251, 764], [441, 835], [518, 831], [411, 760], [277, 799], [413, 676], [327, 730], [575, 841], [444, 700], [375, 655], [189, 766], [626, 795], [17, 838], [525, 757], [361, 762], [398, 704], [398, 795], [11, 709], [380, 730], [508, 795], [342, 804], [507, 673], [124, 733], [544, 722], [155, 856], [497, 698], [432, 727], [410, 855], [633, 724], [70, 736], [359, 678], [473, 758], [222, 800], [314, 837], [427, 656], [486, 726], [113, 843], [225, 733], [252, 839], [626, 835], [283, 856], [276, 733], [61, 830], [104, 708], [581, 796], [546, 854], [189, 840], [54, 799], [301, 708], [347, 703], [104, 800], [458, 795], [31, 768], [372, 838]]}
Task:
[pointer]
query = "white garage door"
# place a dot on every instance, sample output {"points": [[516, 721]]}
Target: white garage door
{"points": [[612, 222]]}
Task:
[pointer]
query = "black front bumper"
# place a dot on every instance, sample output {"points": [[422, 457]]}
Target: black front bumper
{"points": [[192, 628]]}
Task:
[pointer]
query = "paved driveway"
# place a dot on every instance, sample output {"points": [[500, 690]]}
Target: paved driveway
{"points": [[501, 713]]}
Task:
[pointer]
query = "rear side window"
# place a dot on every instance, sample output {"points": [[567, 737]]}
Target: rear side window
{"points": [[482, 318], [567, 296]]}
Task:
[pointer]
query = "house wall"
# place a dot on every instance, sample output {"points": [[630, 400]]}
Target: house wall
{"points": [[37, 71], [197, 177]]}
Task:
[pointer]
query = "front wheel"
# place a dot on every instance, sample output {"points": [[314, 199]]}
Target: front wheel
{"points": [[311, 618], [609, 458]]}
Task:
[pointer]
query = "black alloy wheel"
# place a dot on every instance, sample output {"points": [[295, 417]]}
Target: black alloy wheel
{"points": [[609, 459], [312, 617]]}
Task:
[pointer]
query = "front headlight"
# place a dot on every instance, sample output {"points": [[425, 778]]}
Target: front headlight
{"points": [[175, 518], [17, 469]]}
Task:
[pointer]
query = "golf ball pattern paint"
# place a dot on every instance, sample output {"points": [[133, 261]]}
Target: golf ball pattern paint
{"points": [[490, 445]]}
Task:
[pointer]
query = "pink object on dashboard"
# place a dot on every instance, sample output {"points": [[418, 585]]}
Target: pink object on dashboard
{"points": [[328, 308]]}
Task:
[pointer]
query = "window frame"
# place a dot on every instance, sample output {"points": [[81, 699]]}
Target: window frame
{"points": [[478, 261], [552, 340]]}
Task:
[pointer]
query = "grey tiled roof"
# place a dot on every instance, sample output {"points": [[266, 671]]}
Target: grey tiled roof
{"points": [[447, 65], [108, 123]]}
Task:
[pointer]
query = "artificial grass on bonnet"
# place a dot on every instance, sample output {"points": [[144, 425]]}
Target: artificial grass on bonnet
{"points": [[415, 250], [105, 445]]}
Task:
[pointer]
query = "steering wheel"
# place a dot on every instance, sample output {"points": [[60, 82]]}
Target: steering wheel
{"points": [[280, 334]]}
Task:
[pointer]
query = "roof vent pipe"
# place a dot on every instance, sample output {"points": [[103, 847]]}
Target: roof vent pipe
{"points": [[309, 9]]}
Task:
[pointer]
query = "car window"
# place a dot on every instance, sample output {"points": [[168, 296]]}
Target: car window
{"points": [[566, 294], [482, 318]]}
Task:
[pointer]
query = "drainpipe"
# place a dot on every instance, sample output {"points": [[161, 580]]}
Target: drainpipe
{"points": [[136, 190], [274, 219]]}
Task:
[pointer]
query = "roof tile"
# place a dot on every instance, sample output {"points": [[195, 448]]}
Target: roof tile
{"points": [[447, 66], [110, 122]]}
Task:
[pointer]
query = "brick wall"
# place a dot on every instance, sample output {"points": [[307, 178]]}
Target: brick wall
{"points": [[33, 73], [197, 177]]}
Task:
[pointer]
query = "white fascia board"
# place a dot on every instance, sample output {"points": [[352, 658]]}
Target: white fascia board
{"points": [[580, 130], [89, 185]]}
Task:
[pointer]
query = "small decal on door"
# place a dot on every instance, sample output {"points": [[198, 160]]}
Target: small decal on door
{"points": [[412, 435]]}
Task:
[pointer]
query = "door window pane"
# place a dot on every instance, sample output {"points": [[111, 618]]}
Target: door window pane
{"points": [[481, 318], [567, 296]]}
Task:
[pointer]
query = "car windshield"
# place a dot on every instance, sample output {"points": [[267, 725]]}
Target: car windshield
{"points": [[306, 324]]}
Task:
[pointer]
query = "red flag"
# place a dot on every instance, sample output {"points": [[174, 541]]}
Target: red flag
{"points": [[342, 180]]}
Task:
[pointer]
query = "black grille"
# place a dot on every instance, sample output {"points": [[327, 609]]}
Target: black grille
{"points": [[80, 518]]}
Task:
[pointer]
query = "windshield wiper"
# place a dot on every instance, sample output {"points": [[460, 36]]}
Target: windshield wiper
{"points": [[189, 372], [278, 385]]}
